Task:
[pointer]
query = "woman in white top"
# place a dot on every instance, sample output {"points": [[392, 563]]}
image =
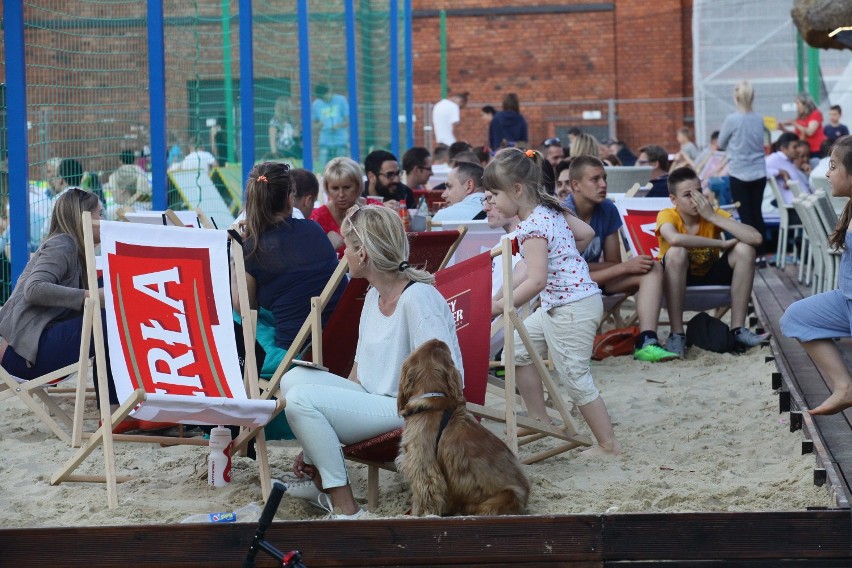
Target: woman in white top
{"points": [[402, 310]]}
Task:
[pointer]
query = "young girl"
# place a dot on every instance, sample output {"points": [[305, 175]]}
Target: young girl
{"points": [[816, 320], [571, 306]]}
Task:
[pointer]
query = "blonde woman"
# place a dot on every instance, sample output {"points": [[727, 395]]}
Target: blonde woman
{"points": [[342, 182], [585, 145], [402, 311], [741, 137]]}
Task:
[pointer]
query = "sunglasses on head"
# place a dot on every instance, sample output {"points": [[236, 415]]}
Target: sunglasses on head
{"points": [[552, 142]]}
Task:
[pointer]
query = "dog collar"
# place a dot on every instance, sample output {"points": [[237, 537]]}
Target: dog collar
{"points": [[430, 395]]}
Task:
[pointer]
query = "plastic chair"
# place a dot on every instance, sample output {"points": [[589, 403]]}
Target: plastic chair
{"points": [[784, 226]]}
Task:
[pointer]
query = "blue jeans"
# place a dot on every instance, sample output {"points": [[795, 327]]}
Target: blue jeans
{"points": [[58, 346]]}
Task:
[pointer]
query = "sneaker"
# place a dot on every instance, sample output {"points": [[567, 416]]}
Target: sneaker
{"points": [[306, 489], [325, 504], [747, 337], [654, 353], [676, 343]]}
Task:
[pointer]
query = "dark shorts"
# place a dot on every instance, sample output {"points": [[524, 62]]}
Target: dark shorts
{"points": [[720, 274]]}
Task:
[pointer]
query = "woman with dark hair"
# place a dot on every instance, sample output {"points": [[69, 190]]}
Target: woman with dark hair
{"points": [[508, 127], [288, 260]]}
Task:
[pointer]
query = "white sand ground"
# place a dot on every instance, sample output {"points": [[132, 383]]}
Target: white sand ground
{"points": [[704, 436]]}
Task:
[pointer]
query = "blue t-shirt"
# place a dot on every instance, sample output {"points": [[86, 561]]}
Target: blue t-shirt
{"points": [[605, 221], [293, 264], [331, 115], [832, 133]]}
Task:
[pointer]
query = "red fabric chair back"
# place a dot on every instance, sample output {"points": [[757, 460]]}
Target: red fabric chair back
{"points": [[428, 249]]}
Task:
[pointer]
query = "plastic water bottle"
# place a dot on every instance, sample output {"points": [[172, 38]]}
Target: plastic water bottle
{"points": [[219, 461], [247, 514]]}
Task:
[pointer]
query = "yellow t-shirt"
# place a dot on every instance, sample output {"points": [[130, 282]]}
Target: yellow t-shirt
{"points": [[700, 259]]}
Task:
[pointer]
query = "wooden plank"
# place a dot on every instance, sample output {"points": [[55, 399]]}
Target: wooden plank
{"points": [[833, 443], [493, 541], [712, 536], [570, 541]]}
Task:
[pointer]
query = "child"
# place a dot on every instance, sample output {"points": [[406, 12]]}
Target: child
{"points": [[688, 154], [571, 309], [816, 320], [694, 255], [834, 130]]}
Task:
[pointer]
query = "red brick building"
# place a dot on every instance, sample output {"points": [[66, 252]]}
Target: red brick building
{"points": [[633, 51]]}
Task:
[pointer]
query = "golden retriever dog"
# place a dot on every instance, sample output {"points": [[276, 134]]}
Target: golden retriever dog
{"points": [[462, 468]]}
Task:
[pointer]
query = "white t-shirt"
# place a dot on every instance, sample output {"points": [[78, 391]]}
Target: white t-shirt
{"points": [[198, 160], [384, 342], [445, 113]]}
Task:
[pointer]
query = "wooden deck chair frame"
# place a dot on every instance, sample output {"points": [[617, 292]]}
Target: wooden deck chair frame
{"points": [[45, 408], [104, 436], [567, 433]]}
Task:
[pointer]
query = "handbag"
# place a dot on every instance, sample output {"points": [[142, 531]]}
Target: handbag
{"points": [[614, 343]]}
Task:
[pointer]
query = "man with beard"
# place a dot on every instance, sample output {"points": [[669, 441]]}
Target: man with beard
{"points": [[383, 180]]}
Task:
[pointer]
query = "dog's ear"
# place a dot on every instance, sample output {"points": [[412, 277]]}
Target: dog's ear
{"points": [[406, 383], [451, 375]]}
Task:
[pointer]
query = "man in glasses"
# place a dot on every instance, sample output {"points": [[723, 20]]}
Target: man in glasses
{"points": [[553, 151], [656, 157], [463, 194], [383, 180], [417, 163]]}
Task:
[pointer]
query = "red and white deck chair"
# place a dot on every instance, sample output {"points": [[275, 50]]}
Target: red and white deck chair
{"points": [[172, 348], [432, 250], [478, 237], [639, 216]]}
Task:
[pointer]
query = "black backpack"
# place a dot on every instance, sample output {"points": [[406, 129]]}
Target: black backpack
{"points": [[709, 333]]}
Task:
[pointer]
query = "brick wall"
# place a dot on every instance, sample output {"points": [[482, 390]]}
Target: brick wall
{"points": [[635, 50]]}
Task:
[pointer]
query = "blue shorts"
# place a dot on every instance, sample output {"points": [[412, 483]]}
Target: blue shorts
{"points": [[822, 316]]}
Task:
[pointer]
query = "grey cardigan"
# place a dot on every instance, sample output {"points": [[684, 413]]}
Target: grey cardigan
{"points": [[50, 286]]}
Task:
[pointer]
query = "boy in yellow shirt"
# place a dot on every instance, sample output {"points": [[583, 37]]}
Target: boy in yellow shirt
{"points": [[694, 254]]}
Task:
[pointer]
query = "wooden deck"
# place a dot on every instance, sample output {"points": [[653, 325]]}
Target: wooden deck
{"points": [[801, 386]]}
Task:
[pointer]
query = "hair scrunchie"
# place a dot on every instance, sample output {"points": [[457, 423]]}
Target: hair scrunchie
{"points": [[261, 178], [403, 266], [530, 153]]}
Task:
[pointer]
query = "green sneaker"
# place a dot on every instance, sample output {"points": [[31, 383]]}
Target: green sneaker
{"points": [[653, 353]]}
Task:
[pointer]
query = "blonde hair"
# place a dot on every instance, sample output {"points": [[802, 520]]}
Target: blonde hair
{"points": [[343, 169], [67, 217], [512, 166], [585, 145], [744, 95], [379, 231]]}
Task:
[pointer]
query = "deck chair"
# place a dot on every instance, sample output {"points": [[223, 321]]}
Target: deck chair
{"points": [[467, 288], [38, 394], [784, 226], [639, 218], [173, 352], [194, 188], [478, 237], [167, 217], [432, 250]]}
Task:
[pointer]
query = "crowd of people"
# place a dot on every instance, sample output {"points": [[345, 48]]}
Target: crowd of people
{"points": [[553, 199]]}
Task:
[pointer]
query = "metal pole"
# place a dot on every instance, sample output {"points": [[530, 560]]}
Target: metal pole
{"points": [[16, 125], [800, 64], [813, 74], [352, 81], [394, 76], [157, 103], [246, 88], [305, 84], [229, 80], [610, 106], [409, 74], [443, 23]]}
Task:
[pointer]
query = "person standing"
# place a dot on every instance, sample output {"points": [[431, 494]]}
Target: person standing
{"points": [[742, 137], [330, 113], [808, 123], [445, 115], [508, 128]]}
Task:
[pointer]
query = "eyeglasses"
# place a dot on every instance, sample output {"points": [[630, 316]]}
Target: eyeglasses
{"points": [[487, 200], [643, 162], [391, 174], [552, 142], [350, 216], [425, 169]]}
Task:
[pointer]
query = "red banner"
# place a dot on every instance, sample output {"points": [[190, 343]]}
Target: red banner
{"points": [[641, 225], [165, 309]]}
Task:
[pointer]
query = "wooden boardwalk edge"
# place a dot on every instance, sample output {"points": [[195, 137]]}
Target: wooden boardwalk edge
{"points": [[770, 298], [580, 540]]}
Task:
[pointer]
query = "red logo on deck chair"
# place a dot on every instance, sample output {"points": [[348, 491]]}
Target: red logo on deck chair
{"points": [[163, 301]]}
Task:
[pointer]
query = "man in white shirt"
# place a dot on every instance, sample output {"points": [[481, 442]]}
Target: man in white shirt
{"points": [[445, 115], [198, 159], [463, 194]]}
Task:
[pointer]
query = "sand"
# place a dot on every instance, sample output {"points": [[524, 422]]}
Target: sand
{"points": [[703, 434]]}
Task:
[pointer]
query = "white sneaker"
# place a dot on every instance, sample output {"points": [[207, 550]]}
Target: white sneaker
{"points": [[325, 503], [306, 489]]}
